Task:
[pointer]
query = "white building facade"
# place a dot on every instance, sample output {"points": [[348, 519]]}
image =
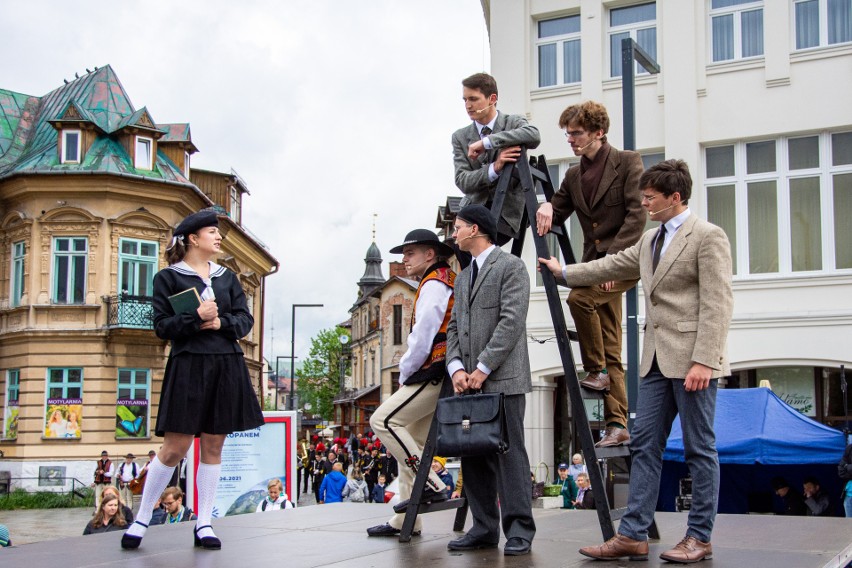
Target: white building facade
{"points": [[754, 96]]}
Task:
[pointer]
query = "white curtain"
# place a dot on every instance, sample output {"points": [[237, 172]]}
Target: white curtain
{"points": [[805, 224], [807, 24], [547, 65], [839, 21], [842, 227], [723, 37], [762, 227], [752, 33], [722, 212], [571, 61]]}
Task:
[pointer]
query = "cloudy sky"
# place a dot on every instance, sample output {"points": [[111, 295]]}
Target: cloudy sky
{"points": [[330, 110]]}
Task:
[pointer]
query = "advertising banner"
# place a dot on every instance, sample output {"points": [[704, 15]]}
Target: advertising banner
{"points": [[131, 418], [249, 461], [63, 418]]}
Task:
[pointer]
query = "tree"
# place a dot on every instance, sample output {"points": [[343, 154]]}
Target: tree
{"points": [[318, 378]]}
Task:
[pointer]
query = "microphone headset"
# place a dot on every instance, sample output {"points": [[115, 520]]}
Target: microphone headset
{"points": [[480, 111], [473, 237], [652, 213], [416, 266]]}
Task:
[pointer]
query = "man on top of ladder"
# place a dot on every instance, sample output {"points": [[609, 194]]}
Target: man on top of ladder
{"points": [[481, 149], [685, 268], [603, 191]]}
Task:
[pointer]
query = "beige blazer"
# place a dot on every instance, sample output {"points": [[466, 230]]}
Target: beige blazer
{"points": [[688, 300]]}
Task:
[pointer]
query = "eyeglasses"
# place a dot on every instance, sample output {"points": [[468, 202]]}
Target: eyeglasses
{"points": [[652, 197], [457, 228], [169, 503], [574, 133]]}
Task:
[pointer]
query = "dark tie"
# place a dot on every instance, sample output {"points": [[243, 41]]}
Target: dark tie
{"points": [[473, 274], [658, 246], [484, 132]]}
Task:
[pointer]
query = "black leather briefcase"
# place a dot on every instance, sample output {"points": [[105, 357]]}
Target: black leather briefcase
{"points": [[471, 425]]}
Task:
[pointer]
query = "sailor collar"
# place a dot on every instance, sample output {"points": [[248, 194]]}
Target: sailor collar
{"points": [[183, 268]]}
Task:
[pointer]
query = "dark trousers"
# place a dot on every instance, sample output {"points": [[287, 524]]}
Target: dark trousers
{"points": [[504, 476]]}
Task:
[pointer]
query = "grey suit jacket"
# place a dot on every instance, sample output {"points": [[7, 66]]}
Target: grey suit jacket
{"points": [[488, 323], [472, 175], [688, 300]]}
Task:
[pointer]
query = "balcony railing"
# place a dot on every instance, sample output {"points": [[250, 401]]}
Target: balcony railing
{"points": [[124, 310]]}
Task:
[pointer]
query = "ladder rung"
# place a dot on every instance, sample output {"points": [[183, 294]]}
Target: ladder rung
{"points": [[441, 505], [589, 394], [610, 452], [572, 335]]}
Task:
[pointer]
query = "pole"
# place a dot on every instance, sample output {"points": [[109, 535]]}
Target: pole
{"points": [[843, 387], [292, 404]]}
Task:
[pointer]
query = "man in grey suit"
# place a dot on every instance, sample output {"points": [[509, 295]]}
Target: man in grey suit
{"points": [[487, 350], [481, 149], [685, 268]]}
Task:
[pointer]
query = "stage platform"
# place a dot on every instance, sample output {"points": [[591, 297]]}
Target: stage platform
{"points": [[334, 535]]}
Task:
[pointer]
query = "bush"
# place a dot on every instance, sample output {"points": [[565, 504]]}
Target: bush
{"points": [[22, 499]]}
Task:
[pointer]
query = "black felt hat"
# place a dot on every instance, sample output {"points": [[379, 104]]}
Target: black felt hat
{"points": [[197, 221], [424, 237], [479, 215]]}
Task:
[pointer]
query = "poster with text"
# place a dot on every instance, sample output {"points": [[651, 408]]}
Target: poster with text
{"points": [[10, 421], [63, 418], [250, 460], [131, 418]]}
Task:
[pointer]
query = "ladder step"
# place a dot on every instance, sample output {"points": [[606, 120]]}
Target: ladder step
{"points": [[442, 505], [589, 394], [610, 452], [572, 335]]}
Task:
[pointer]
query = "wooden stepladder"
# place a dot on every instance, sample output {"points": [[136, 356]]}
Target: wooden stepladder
{"points": [[533, 173]]}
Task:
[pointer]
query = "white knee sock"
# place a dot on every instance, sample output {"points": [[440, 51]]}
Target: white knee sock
{"points": [[207, 481], [155, 483]]}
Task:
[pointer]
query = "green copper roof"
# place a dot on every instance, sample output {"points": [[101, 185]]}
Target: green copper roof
{"points": [[28, 141]]}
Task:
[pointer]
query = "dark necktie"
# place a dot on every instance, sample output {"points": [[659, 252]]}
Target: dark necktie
{"points": [[484, 132], [658, 246], [473, 273]]}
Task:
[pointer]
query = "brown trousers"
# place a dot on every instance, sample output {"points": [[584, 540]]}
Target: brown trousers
{"points": [[597, 316]]}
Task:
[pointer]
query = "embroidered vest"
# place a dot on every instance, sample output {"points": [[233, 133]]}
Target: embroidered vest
{"points": [[435, 366], [104, 465]]}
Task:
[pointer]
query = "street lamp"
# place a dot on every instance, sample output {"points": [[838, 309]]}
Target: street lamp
{"points": [[291, 404], [344, 342]]}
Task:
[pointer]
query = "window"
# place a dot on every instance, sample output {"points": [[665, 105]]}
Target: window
{"points": [[736, 27], [558, 49], [236, 204], [637, 22], [69, 270], [186, 165], [70, 146], [397, 325], [771, 198], [65, 383], [822, 22], [10, 415], [144, 153], [19, 255], [131, 409], [137, 263]]}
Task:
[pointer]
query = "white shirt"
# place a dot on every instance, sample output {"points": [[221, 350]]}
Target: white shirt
{"points": [[486, 141], [430, 310], [456, 364], [126, 470], [672, 225]]}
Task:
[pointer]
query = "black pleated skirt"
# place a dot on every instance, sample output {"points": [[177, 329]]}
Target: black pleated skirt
{"points": [[209, 394]]}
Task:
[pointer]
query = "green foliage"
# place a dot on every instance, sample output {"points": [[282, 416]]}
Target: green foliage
{"points": [[22, 499], [318, 378], [269, 402]]}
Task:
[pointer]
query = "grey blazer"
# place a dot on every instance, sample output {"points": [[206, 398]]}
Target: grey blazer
{"points": [[688, 300], [488, 323], [472, 175]]}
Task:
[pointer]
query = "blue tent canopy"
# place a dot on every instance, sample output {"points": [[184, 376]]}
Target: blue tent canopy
{"points": [[755, 426]]}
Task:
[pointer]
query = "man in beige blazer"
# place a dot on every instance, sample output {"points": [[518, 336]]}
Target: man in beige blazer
{"points": [[685, 268]]}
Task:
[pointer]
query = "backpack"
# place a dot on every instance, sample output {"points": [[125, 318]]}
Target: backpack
{"points": [[356, 493], [284, 505]]}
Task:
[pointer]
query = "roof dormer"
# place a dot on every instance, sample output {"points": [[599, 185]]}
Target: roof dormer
{"points": [[138, 133], [76, 129], [177, 145]]}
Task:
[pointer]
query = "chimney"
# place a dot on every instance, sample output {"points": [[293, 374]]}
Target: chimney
{"points": [[397, 269]]}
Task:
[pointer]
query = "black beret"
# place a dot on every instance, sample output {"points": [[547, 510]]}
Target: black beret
{"points": [[197, 221], [424, 237], [479, 215]]}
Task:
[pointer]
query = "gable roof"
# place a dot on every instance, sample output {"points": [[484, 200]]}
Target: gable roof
{"points": [[28, 140]]}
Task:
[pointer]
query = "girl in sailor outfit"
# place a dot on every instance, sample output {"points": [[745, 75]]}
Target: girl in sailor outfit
{"points": [[206, 388]]}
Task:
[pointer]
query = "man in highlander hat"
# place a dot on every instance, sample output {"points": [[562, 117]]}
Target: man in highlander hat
{"points": [[402, 421]]}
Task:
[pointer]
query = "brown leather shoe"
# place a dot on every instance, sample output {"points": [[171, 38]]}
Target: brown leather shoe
{"points": [[689, 550], [596, 380], [614, 436], [618, 546]]}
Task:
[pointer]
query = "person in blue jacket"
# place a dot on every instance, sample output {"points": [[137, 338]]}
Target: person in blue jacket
{"points": [[378, 494], [439, 466], [331, 490]]}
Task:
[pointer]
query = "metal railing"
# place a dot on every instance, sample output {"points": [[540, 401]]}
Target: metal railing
{"points": [[125, 310], [77, 488]]}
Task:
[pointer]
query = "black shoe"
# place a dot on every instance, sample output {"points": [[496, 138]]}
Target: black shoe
{"points": [[429, 496], [516, 546], [386, 530], [468, 542], [207, 542], [131, 542]]}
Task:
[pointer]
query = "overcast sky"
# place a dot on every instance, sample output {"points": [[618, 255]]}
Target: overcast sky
{"points": [[330, 110]]}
